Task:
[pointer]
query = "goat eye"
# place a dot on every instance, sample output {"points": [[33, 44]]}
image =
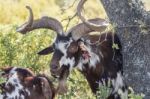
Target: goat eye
{"points": [[73, 48]]}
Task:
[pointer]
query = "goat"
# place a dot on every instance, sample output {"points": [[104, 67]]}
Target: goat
{"points": [[23, 84], [99, 62]]}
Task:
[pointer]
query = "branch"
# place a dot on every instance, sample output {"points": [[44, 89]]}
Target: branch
{"points": [[63, 9], [69, 20]]}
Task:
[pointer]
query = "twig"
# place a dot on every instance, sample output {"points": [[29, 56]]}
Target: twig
{"points": [[98, 42], [69, 20], [63, 10]]}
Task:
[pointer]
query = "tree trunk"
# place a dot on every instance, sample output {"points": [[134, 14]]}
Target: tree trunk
{"points": [[130, 21]]}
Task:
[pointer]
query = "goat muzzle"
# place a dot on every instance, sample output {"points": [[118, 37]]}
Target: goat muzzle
{"points": [[55, 71]]}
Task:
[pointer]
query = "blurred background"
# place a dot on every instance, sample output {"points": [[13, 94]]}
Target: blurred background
{"points": [[21, 50], [14, 12]]}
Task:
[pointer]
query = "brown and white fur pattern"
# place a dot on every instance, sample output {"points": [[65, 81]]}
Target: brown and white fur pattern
{"points": [[99, 63], [23, 84]]}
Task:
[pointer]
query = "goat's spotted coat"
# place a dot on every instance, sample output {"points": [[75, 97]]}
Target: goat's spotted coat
{"points": [[97, 62], [65, 60], [22, 84], [13, 89]]}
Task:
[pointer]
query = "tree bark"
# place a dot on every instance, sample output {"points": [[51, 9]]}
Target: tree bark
{"points": [[130, 21]]}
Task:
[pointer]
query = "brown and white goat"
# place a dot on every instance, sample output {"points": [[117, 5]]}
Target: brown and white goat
{"points": [[23, 84], [98, 62]]}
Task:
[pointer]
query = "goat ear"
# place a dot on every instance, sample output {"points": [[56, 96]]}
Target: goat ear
{"points": [[6, 68], [46, 51], [28, 80], [46, 89], [5, 71]]}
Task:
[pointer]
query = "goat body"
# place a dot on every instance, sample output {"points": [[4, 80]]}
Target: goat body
{"points": [[104, 64], [95, 58], [99, 63], [22, 84]]}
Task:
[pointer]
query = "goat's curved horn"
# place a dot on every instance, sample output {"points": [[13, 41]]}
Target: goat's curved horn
{"points": [[82, 29], [44, 22], [87, 26], [30, 20], [95, 26]]}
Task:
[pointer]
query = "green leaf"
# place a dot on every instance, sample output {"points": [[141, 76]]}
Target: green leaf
{"points": [[115, 46]]}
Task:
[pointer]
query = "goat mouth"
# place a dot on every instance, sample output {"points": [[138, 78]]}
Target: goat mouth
{"points": [[85, 55]]}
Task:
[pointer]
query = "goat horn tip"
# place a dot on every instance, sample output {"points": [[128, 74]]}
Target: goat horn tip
{"points": [[28, 7], [18, 29]]}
